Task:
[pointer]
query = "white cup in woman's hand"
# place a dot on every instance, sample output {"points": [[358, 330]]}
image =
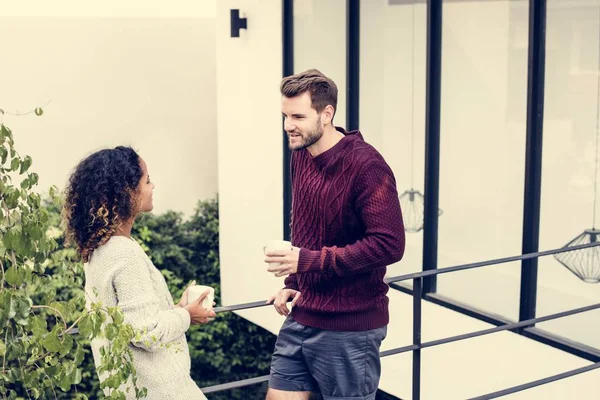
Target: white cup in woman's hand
{"points": [[198, 313], [194, 292]]}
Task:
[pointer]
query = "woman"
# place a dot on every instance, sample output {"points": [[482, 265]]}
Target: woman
{"points": [[104, 195]]}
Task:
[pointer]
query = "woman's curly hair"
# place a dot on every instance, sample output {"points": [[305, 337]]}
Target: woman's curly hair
{"points": [[100, 196]]}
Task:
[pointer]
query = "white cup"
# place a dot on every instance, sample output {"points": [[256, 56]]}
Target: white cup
{"points": [[195, 291], [277, 245]]}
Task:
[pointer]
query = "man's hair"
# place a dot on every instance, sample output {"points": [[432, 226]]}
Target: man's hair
{"points": [[322, 90]]}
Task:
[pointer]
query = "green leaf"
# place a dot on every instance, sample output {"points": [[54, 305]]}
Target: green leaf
{"points": [[5, 132], [111, 331], [110, 382], [38, 326], [118, 316], [11, 307], [11, 197], [25, 184], [34, 178], [79, 355], [12, 276], [2, 348], [39, 111], [25, 164], [14, 164], [117, 395], [61, 307], [65, 383], [143, 392], [97, 320], [76, 376], [36, 232], [51, 342], [66, 346], [85, 326], [35, 392], [20, 306], [4, 307]]}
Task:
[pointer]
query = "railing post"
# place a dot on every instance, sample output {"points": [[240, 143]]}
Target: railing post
{"points": [[416, 366]]}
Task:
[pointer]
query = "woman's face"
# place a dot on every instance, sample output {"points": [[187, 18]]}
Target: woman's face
{"points": [[145, 188]]}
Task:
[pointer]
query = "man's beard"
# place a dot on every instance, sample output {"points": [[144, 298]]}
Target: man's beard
{"points": [[307, 139]]}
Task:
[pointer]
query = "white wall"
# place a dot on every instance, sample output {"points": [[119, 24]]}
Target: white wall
{"points": [[143, 81], [250, 158], [110, 8]]}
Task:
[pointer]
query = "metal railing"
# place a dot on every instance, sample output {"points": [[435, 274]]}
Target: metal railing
{"points": [[417, 345]]}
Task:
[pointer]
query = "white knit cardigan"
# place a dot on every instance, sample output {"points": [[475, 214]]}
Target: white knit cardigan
{"points": [[119, 273]]}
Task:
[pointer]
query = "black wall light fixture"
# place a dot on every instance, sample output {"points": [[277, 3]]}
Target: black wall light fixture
{"points": [[237, 23]]}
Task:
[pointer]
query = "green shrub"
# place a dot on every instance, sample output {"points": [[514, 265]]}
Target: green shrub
{"points": [[41, 301]]}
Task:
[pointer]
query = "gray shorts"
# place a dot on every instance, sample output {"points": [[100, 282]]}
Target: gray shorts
{"points": [[339, 365]]}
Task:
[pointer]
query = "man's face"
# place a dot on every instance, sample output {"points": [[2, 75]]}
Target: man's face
{"points": [[302, 122]]}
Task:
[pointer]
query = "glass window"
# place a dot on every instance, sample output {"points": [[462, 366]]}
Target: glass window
{"points": [[392, 104], [482, 150], [569, 165]]}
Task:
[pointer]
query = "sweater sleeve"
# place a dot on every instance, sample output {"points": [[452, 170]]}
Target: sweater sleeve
{"points": [[136, 298], [378, 206], [291, 282]]}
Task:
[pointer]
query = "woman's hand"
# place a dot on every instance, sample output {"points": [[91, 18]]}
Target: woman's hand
{"points": [[184, 297], [198, 314]]}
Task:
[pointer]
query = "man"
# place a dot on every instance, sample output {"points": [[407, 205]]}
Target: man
{"points": [[346, 228]]}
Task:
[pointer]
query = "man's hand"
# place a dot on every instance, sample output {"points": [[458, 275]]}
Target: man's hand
{"points": [[283, 263], [281, 298]]}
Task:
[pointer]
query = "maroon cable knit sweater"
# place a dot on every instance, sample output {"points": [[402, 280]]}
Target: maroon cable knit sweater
{"points": [[346, 219]]}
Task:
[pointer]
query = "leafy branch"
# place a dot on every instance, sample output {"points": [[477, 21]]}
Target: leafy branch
{"points": [[55, 310], [41, 354], [39, 111]]}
